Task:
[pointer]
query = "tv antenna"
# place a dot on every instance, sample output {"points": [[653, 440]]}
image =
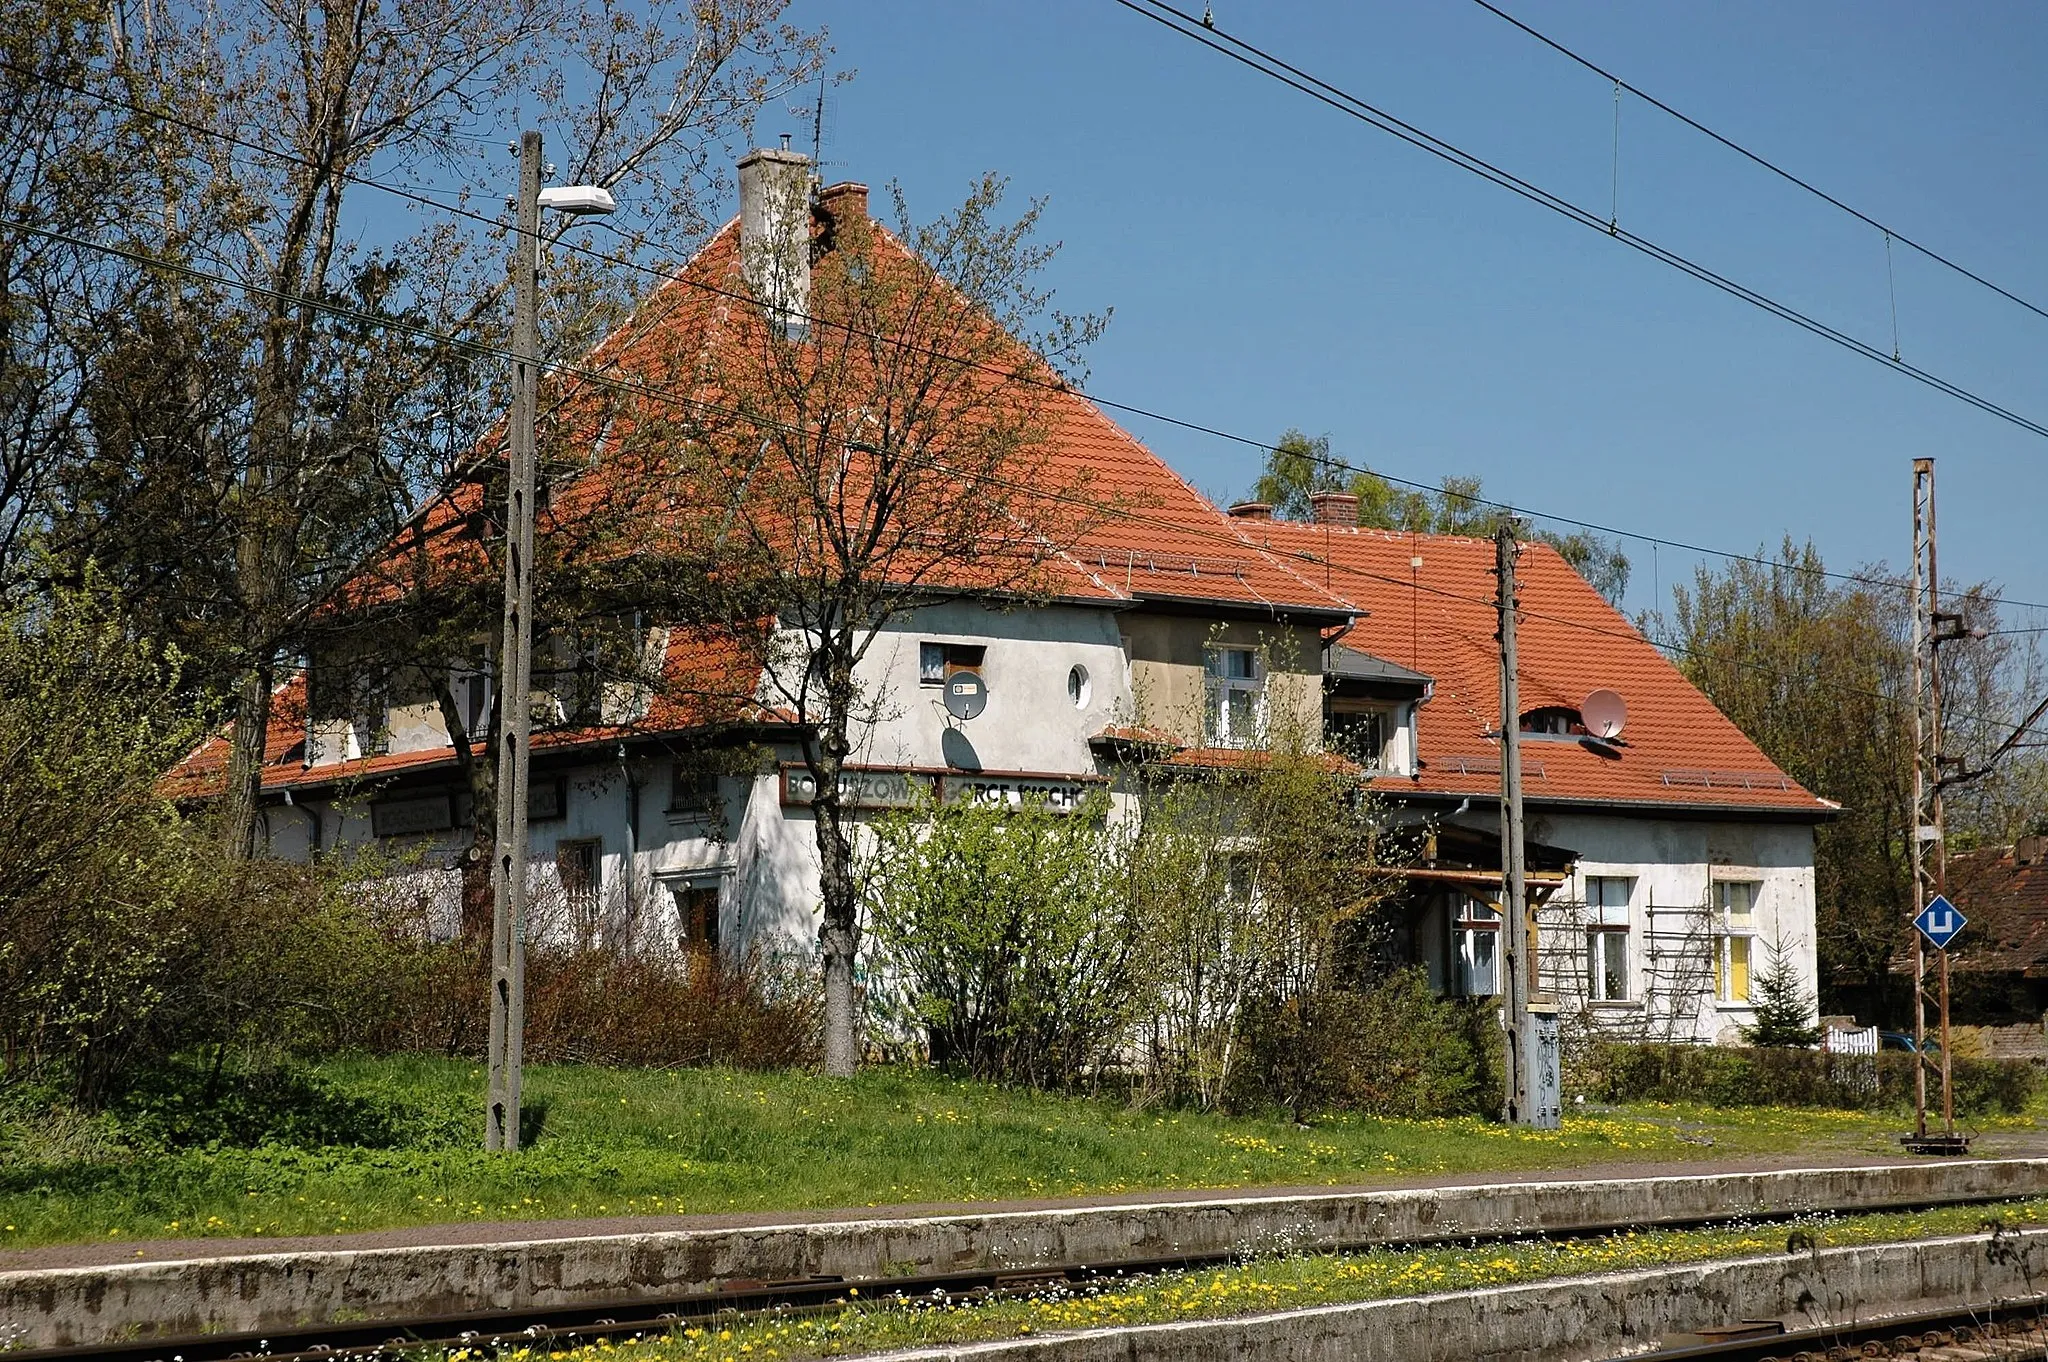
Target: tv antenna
{"points": [[818, 126]]}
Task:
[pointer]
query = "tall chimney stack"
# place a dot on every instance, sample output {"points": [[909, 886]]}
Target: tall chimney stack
{"points": [[775, 233], [1333, 508]]}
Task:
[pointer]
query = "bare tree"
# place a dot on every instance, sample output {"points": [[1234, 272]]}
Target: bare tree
{"points": [[885, 442], [79, 169], [347, 421]]}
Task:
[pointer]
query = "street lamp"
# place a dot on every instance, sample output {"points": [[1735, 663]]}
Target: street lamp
{"points": [[515, 726]]}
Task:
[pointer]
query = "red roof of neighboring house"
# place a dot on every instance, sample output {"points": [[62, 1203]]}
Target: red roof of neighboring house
{"points": [[2006, 902], [1677, 749]]}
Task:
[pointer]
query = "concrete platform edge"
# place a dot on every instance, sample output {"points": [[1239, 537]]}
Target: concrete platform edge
{"points": [[1578, 1319], [87, 1305]]}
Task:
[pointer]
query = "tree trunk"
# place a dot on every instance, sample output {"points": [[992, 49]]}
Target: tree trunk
{"points": [[839, 934], [246, 743], [482, 779]]}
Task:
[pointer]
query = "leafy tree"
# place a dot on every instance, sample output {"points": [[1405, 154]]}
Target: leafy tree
{"points": [[1816, 670], [1784, 1015], [83, 168], [888, 451], [1299, 466], [1258, 880]]}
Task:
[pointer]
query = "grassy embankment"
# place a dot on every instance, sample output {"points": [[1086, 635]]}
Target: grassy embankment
{"points": [[1280, 1282], [653, 1143]]}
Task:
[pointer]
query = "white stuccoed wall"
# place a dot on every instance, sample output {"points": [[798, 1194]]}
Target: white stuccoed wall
{"points": [[1674, 861], [1029, 725]]}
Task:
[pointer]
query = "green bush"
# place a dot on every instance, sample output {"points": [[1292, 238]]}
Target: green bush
{"points": [[186, 1105], [127, 935], [1007, 936], [1732, 1076], [1393, 1050]]}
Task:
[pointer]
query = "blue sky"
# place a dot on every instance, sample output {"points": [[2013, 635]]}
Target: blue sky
{"points": [[1271, 263]]}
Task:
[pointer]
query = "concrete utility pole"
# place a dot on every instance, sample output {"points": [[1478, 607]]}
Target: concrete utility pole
{"points": [[1528, 1019], [515, 704], [1514, 947]]}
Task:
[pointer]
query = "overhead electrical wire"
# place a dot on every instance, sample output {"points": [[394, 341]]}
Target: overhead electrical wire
{"points": [[1265, 63], [418, 194], [1890, 232], [1237, 541]]}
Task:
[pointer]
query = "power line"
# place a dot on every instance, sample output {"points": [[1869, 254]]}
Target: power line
{"points": [[1331, 462], [1889, 231], [1352, 106], [1235, 539]]}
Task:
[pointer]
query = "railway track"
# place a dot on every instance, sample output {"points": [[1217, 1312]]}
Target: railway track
{"points": [[2019, 1331], [2005, 1332]]}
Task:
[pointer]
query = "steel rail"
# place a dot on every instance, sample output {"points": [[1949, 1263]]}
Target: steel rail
{"points": [[1979, 1326]]}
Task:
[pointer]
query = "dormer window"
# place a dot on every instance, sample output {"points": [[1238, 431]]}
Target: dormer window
{"points": [[1360, 731], [1554, 721], [936, 662]]}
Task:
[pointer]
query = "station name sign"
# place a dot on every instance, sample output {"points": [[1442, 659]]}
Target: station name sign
{"points": [[903, 787], [442, 810]]}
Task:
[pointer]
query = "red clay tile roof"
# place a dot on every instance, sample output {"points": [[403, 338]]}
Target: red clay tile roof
{"points": [[2007, 907], [1678, 748], [704, 682], [1148, 534]]}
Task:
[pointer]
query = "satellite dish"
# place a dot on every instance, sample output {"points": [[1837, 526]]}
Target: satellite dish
{"points": [[966, 694], [1603, 714]]}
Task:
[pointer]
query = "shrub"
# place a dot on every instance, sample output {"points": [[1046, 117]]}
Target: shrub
{"points": [[1731, 1076], [660, 1008], [128, 935], [1010, 936], [604, 1003], [1394, 1050]]}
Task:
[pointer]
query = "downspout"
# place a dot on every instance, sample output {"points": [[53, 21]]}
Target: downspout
{"points": [[632, 842], [313, 821]]}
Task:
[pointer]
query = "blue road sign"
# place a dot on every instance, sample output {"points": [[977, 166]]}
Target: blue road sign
{"points": [[1941, 922]]}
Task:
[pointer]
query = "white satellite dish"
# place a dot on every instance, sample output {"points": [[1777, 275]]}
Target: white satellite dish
{"points": [[1604, 714]]}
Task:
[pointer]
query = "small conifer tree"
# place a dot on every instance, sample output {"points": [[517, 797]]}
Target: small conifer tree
{"points": [[1784, 1015]]}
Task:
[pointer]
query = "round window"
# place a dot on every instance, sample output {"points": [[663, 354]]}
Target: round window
{"points": [[1077, 686]]}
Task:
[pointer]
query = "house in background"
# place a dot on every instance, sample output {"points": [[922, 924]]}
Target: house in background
{"points": [[1670, 860], [1998, 967], [1177, 635]]}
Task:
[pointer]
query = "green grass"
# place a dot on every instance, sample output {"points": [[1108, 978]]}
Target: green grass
{"points": [[1280, 1282], [666, 1142]]}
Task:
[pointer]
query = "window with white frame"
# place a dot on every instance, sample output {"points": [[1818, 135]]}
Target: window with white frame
{"points": [[473, 692], [1607, 899], [1734, 937], [1360, 732], [1235, 697], [1475, 946]]}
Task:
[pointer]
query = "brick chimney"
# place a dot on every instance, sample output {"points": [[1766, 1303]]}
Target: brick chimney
{"points": [[844, 202], [1252, 510], [1333, 508], [775, 232]]}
